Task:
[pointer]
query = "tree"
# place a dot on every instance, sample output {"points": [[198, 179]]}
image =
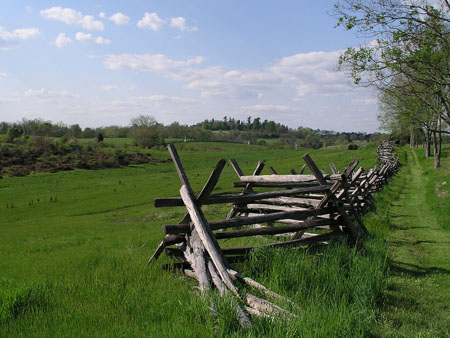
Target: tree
{"points": [[409, 37], [144, 131], [409, 56], [14, 133], [100, 137]]}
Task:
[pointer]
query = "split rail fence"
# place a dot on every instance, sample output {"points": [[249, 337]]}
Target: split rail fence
{"points": [[295, 209]]}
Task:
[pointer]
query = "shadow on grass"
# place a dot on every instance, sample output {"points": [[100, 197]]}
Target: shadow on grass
{"points": [[413, 270]]}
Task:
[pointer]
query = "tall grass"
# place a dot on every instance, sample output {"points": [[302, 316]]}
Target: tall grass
{"points": [[78, 266], [437, 185]]}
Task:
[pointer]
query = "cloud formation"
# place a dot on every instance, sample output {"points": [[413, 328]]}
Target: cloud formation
{"points": [[154, 22], [62, 40], [119, 18], [72, 17], [49, 95], [305, 74], [88, 37], [10, 40], [180, 23]]}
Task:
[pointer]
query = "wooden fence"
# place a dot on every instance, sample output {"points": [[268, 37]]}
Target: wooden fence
{"points": [[295, 209]]}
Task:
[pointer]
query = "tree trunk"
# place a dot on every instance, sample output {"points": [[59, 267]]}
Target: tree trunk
{"points": [[436, 149], [427, 143]]}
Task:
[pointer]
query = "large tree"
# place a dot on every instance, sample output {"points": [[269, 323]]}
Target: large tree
{"points": [[145, 131], [408, 55]]}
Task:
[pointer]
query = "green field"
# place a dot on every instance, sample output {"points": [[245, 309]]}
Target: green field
{"points": [[74, 248]]}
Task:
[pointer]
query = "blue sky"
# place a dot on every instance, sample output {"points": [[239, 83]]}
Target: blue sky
{"points": [[100, 63]]}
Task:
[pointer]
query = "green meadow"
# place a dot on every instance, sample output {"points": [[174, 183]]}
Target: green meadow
{"points": [[74, 247]]}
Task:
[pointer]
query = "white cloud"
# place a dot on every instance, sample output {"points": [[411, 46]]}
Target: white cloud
{"points": [[80, 36], [180, 23], [62, 40], [3, 75], [102, 41], [44, 93], [296, 77], [157, 63], [9, 40], [26, 33], [119, 19], [72, 17], [166, 98], [88, 37], [88, 22], [151, 20], [267, 107], [102, 15]]}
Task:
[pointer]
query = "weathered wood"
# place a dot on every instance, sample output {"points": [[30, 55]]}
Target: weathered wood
{"points": [[236, 167], [333, 168], [256, 172], [272, 170], [207, 188], [286, 185], [254, 284], [302, 169], [265, 306], [195, 257], [272, 230], [157, 252], [215, 277], [241, 221], [318, 238], [167, 240], [240, 199], [285, 178], [179, 168], [207, 238], [270, 207], [259, 314], [347, 172], [294, 201]]}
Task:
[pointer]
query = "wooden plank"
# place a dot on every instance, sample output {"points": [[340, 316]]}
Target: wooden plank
{"points": [[318, 238], [167, 240], [347, 172], [207, 188], [241, 221], [236, 167], [272, 230], [333, 168], [254, 284], [207, 238], [241, 199], [265, 306], [302, 169], [285, 178], [195, 256], [287, 185]]}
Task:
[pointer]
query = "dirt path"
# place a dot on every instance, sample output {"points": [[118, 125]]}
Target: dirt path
{"points": [[418, 296]]}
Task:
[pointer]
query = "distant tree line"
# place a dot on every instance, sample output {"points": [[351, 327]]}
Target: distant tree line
{"points": [[147, 132]]}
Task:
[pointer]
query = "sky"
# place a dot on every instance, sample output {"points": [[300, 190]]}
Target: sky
{"points": [[101, 63]]}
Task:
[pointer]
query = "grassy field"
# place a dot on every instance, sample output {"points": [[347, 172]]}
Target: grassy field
{"points": [[74, 247]]}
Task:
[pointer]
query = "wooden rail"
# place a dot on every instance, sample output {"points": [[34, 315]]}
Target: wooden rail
{"points": [[329, 206]]}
